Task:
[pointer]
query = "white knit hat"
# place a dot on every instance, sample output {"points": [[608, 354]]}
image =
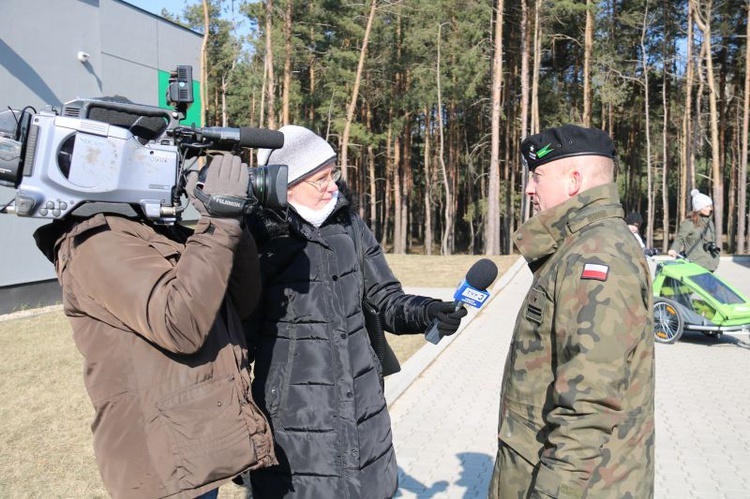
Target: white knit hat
{"points": [[700, 201], [303, 152]]}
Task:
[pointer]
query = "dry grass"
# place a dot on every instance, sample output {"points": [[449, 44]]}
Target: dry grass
{"points": [[45, 411], [432, 272]]}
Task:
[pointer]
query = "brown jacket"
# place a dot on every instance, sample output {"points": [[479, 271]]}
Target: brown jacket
{"points": [[165, 360]]}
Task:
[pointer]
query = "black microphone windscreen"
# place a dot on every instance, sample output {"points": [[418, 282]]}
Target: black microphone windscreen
{"points": [[145, 127], [260, 138], [481, 274]]}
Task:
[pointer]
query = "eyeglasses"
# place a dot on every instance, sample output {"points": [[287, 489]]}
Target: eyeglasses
{"points": [[322, 183]]}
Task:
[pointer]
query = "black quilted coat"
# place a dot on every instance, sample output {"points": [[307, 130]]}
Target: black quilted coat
{"points": [[316, 375]]}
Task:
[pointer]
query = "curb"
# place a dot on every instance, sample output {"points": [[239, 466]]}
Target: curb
{"points": [[396, 384]]}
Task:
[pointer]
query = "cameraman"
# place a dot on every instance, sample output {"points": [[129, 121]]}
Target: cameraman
{"points": [[696, 237], [156, 312]]}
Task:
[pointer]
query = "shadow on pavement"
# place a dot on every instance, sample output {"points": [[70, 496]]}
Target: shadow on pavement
{"points": [[473, 465], [411, 484], [694, 338], [743, 260]]}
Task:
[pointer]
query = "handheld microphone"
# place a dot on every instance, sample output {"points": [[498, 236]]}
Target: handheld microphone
{"points": [[472, 291]]}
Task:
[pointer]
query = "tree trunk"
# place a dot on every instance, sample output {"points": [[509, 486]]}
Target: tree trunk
{"points": [[509, 176], [492, 229], [525, 45], [287, 64], [224, 117], [734, 148], [524, 126], [588, 47], [204, 62], [537, 67], [448, 208], [665, 162], [428, 234], [526, 206], [311, 70], [355, 92], [408, 182], [742, 181], [704, 24], [687, 122], [389, 169], [650, 195], [398, 192], [367, 201], [696, 139], [270, 88]]}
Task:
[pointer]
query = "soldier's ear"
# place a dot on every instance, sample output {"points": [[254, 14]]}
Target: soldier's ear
{"points": [[574, 182]]}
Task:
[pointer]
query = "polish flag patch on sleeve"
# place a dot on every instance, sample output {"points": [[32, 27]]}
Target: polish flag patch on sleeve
{"points": [[595, 271]]}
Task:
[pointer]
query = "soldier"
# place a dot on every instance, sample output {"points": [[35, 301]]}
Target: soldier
{"points": [[577, 404]]}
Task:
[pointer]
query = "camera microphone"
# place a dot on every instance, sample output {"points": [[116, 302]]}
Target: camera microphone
{"points": [[472, 291], [243, 137]]}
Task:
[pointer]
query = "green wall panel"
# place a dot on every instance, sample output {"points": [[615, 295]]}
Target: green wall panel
{"points": [[195, 111]]}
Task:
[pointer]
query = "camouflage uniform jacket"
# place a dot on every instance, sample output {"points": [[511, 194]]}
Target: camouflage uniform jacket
{"points": [[577, 405]]}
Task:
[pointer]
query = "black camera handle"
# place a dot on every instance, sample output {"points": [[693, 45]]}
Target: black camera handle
{"points": [[220, 205]]}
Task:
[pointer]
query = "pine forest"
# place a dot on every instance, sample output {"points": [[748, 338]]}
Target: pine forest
{"points": [[427, 102]]}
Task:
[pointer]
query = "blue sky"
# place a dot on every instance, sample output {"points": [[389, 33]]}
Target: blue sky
{"points": [[231, 10], [155, 6]]}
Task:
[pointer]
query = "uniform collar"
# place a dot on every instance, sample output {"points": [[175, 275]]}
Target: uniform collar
{"points": [[542, 234]]}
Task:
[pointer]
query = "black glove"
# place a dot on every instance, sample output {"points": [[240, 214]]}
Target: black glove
{"points": [[223, 193], [447, 316]]}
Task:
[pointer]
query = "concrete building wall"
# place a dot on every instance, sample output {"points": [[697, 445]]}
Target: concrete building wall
{"points": [[39, 66]]}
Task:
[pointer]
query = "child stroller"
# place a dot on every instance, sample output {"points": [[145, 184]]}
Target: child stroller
{"points": [[689, 297]]}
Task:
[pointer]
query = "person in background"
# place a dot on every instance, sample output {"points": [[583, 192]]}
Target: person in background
{"points": [[317, 377], [696, 237], [634, 221], [577, 402], [156, 312]]}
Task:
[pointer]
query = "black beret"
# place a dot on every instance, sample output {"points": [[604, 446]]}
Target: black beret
{"points": [[565, 141]]}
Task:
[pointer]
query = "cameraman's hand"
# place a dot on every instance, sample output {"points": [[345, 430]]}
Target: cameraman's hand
{"points": [[447, 316], [190, 184], [225, 175]]}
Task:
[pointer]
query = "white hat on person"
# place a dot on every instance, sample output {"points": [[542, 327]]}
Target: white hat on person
{"points": [[700, 201], [303, 152]]}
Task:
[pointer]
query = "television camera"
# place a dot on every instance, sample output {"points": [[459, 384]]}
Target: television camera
{"points": [[111, 155]]}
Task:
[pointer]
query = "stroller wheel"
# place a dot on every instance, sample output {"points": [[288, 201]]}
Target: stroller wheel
{"points": [[668, 323]]}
